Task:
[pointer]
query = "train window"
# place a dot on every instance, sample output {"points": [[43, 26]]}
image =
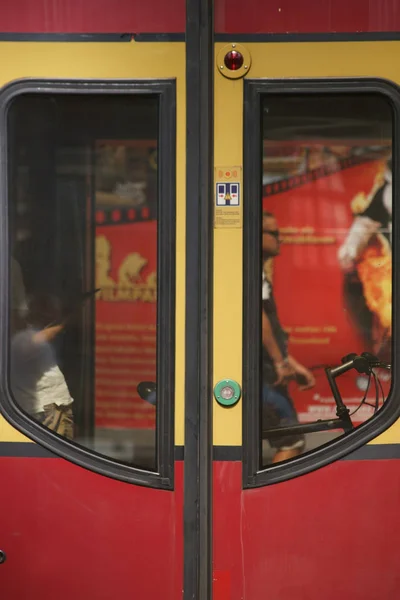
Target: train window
{"points": [[324, 280], [85, 242]]}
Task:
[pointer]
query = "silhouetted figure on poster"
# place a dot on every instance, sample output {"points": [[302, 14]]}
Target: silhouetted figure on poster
{"points": [[366, 260]]}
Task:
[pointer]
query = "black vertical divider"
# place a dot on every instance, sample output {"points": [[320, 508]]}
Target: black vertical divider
{"points": [[198, 340]]}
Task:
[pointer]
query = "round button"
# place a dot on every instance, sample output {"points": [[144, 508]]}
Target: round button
{"points": [[227, 392]]}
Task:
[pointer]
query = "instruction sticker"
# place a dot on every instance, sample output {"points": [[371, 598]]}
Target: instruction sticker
{"points": [[228, 201]]}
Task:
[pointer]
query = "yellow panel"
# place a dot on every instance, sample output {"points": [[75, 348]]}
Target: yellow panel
{"points": [[117, 61], [228, 264], [299, 60], [9, 434], [390, 436], [325, 60]]}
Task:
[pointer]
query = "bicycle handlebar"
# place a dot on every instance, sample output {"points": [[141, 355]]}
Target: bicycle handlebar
{"points": [[363, 363]]}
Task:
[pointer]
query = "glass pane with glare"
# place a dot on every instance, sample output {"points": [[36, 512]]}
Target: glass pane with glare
{"points": [[326, 274], [83, 242]]}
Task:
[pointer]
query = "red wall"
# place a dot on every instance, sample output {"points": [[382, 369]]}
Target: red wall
{"points": [[69, 533], [92, 16], [231, 16], [331, 534], [306, 16]]}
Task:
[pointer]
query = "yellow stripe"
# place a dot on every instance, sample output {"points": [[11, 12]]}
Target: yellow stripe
{"points": [[156, 60], [228, 264], [350, 59], [125, 61], [298, 60], [390, 436], [9, 434]]}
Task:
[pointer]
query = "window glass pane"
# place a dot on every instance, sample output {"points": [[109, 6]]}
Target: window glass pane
{"points": [[83, 232], [327, 261]]}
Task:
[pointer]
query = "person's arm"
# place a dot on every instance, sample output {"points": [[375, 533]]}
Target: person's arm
{"points": [[301, 370], [361, 231], [47, 334], [283, 369]]}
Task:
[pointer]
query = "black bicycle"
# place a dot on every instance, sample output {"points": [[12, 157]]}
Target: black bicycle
{"points": [[363, 364]]}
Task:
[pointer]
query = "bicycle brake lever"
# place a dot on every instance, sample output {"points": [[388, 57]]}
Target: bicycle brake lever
{"points": [[374, 361]]}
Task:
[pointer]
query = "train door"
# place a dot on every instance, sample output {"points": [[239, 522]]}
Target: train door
{"points": [[93, 236], [196, 302], [305, 151]]}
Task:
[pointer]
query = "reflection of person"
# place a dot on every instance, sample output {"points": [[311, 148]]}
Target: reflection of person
{"points": [[278, 366], [37, 383]]}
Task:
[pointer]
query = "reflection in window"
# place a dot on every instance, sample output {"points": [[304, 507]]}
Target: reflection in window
{"points": [[83, 202], [327, 263]]}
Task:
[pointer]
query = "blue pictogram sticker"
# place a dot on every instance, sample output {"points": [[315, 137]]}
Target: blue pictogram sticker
{"points": [[228, 194]]}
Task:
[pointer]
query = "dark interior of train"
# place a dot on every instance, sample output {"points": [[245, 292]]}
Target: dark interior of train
{"points": [[328, 116], [58, 178]]}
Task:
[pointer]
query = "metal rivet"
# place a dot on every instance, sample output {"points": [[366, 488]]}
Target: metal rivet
{"points": [[222, 66], [246, 67], [233, 45]]}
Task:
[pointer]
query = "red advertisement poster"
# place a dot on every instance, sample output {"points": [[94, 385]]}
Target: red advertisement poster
{"points": [[126, 318], [320, 305]]}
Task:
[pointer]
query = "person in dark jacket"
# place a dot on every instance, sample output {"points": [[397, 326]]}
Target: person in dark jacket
{"points": [[279, 368]]}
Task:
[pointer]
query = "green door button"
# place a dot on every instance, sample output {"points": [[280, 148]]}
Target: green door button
{"points": [[227, 392]]}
